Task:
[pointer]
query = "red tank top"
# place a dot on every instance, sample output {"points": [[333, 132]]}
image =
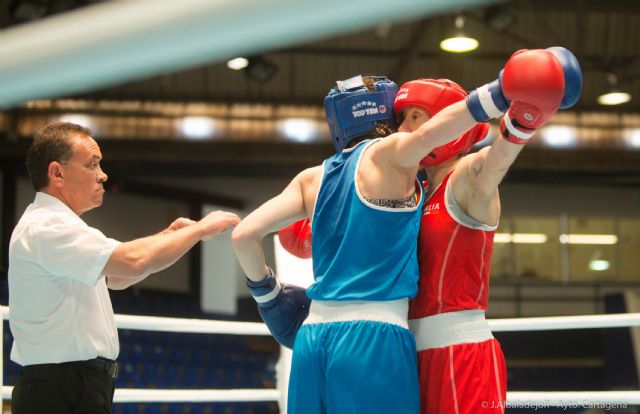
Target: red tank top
{"points": [[454, 255]]}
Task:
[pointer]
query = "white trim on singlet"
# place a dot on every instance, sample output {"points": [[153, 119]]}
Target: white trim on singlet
{"points": [[327, 311], [352, 148], [451, 328], [458, 215], [373, 206]]}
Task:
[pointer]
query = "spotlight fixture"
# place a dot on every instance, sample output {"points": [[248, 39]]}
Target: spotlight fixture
{"points": [[498, 18], [259, 69], [613, 96], [599, 265], [238, 63], [459, 42]]}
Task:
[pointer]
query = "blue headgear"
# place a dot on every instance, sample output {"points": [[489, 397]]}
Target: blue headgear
{"points": [[353, 111]]}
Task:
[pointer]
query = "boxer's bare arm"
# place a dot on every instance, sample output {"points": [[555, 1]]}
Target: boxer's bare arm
{"points": [[276, 213], [389, 167], [405, 150], [477, 176]]}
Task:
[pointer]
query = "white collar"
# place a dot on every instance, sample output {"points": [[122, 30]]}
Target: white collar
{"points": [[53, 203]]}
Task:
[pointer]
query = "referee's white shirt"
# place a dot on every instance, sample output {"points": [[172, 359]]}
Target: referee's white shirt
{"points": [[59, 306]]}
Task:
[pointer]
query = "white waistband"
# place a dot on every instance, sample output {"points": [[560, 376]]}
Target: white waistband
{"points": [[439, 331], [394, 312]]}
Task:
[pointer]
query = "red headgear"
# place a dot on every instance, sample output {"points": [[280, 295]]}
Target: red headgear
{"points": [[433, 95]]}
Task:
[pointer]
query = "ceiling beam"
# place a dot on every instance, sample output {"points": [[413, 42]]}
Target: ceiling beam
{"points": [[116, 41]]}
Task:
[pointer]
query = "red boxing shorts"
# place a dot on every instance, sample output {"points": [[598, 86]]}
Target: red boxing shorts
{"points": [[461, 366]]}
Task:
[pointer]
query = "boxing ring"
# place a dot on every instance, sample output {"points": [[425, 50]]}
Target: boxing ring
{"points": [[515, 399], [160, 37]]}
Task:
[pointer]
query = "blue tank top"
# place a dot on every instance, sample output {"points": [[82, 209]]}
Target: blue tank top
{"points": [[361, 251]]}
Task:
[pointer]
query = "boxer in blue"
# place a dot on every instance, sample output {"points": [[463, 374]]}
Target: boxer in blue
{"points": [[354, 352]]}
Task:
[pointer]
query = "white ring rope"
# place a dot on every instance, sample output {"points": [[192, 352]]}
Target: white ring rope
{"points": [[519, 399], [152, 323], [137, 395], [573, 399], [156, 323], [516, 399], [551, 323]]}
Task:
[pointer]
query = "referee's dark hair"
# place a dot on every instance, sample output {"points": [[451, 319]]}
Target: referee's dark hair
{"points": [[51, 143]]}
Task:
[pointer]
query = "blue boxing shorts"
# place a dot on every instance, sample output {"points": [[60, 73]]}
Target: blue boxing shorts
{"points": [[354, 357]]}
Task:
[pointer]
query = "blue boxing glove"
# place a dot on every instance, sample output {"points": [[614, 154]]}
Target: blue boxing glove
{"points": [[282, 307], [572, 75]]}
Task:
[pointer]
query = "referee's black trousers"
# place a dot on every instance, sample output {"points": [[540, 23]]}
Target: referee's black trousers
{"points": [[67, 388]]}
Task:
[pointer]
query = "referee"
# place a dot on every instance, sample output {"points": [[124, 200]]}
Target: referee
{"points": [[60, 313]]}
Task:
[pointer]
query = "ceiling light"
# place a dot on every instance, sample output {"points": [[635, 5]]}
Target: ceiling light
{"points": [[529, 238], [633, 137], [588, 239], [599, 265], [238, 63], [459, 43], [299, 129], [613, 96], [520, 238], [559, 136], [197, 127], [79, 119], [502, 238]]}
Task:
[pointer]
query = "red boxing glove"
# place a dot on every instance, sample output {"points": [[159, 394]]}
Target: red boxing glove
{"points": [[533, 80], [296, 238]]}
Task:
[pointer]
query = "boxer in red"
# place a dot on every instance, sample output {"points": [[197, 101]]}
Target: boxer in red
{"points": [[461, 365]]}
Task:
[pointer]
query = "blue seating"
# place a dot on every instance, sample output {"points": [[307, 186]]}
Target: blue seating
{"points": [[162, 360]]}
